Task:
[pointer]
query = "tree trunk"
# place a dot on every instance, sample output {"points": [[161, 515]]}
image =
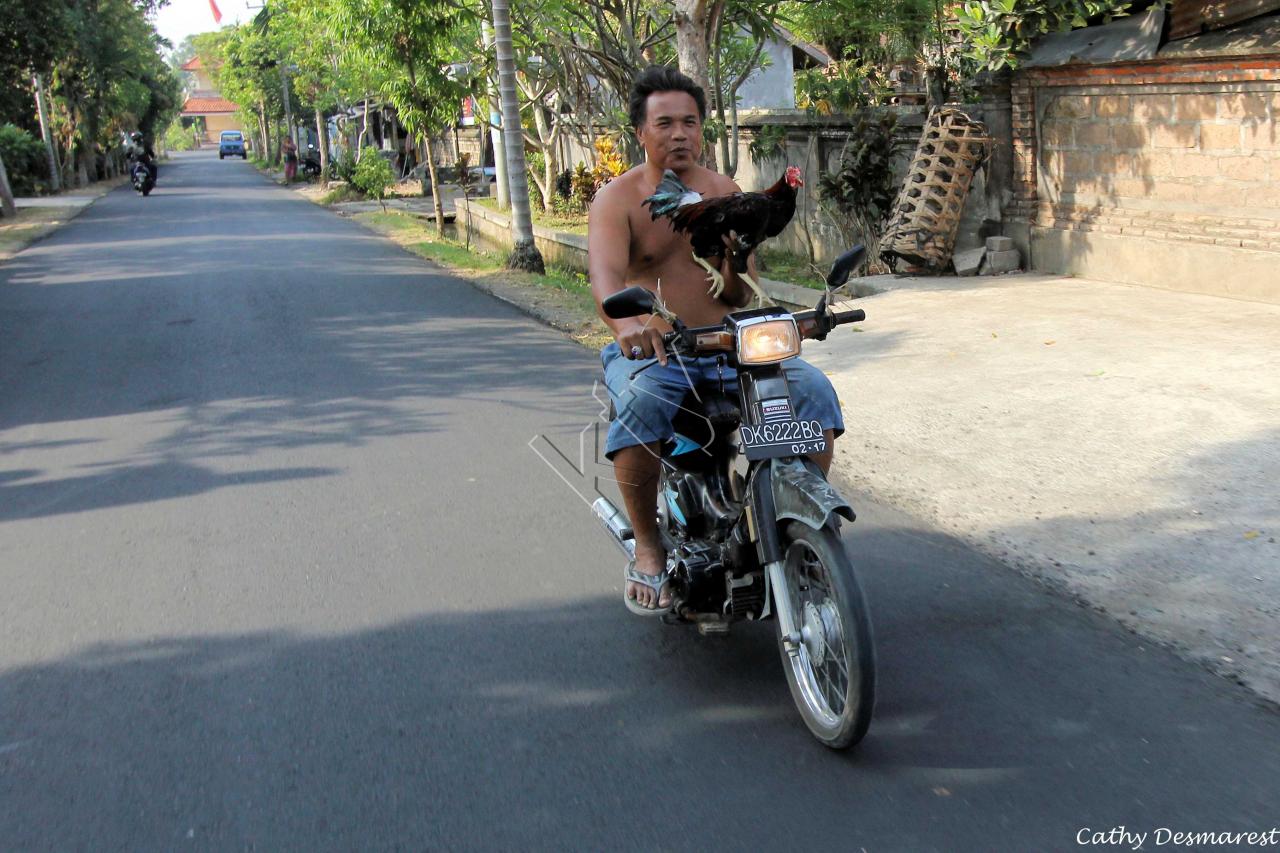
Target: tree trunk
{"points": [[7, 207], [322, 140], [803, 212], [263, 133], [548, 146], [694, 19], [364, 131], [495, 121], [525, 254], [437, 202], [55, 182], [395, 140], [288, 103]]}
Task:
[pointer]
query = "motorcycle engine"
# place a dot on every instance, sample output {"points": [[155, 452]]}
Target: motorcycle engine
{"points": [[700, 570]]}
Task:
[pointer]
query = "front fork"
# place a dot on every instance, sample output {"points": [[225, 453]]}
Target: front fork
{"points": [[772, 556], [791, 638]]}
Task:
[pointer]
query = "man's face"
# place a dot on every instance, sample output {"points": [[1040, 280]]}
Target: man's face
{"points": [[671, 134]]}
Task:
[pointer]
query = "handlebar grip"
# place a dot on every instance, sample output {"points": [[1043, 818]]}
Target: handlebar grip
{"points": [[855, 316]]}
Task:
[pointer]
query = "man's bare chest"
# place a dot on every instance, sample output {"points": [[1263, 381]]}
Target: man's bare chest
{"points": [[655, 244]]}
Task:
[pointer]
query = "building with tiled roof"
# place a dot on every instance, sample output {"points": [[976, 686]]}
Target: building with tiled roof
{"points": [[204, 101]]}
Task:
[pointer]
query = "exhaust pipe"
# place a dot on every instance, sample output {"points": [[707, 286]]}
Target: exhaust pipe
{"points": [[617, 525]]}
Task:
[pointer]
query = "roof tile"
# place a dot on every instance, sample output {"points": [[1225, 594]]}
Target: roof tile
{"points": [[205, 106]]}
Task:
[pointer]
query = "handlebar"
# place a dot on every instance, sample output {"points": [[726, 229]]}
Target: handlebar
{"points": [[705, 340]]}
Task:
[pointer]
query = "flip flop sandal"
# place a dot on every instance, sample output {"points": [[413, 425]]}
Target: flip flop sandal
{"points": [[653, 582]]}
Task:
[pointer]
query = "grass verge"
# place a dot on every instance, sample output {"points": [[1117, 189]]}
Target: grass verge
{"points": [[30, 224], [561, 298], [784, 266]]}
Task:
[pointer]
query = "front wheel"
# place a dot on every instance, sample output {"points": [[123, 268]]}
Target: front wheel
{"points": [[832, 671]]}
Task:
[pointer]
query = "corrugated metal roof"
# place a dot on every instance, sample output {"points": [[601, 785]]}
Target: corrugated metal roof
{"points": [[1190, 17]]}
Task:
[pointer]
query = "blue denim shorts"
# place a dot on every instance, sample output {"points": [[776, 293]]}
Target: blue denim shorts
{"points": [[646, 405]]}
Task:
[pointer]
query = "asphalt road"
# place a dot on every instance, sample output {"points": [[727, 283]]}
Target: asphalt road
{"points": [[282, 567]]}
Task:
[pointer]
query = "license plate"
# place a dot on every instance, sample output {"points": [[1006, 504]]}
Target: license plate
{"points": [[783, 438]]}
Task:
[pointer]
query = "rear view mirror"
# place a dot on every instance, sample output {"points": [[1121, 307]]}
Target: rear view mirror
{"points": [[631, 302], [844, 267]]}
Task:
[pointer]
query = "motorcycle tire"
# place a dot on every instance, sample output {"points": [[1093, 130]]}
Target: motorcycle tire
{"points": [[833, 675], [146, 191]]}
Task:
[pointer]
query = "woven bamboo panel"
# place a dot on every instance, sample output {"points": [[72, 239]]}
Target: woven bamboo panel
{"points": [[926, 215]]}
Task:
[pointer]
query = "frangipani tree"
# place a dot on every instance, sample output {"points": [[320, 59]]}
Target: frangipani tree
{"points": [[411, 44]]}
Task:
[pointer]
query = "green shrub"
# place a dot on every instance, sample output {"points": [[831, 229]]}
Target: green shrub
{"points": [[862, 188], [998, 33], [345, 169], [341, 194], [178, 138], [372, 175], [25, 160]]}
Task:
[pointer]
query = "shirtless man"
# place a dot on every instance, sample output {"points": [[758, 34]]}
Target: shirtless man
{"points": [[627, 247]]}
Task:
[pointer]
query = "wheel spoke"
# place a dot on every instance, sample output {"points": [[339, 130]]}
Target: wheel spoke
{"points": [[828, 681]]}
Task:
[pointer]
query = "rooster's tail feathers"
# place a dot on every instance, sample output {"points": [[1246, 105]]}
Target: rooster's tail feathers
{"points": [[670, 196]]}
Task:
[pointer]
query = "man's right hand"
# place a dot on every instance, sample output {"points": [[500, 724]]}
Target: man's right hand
{"points": [[639, 340]]}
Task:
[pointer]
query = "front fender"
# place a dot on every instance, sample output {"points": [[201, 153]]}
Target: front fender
{"points": [[802, 494]]}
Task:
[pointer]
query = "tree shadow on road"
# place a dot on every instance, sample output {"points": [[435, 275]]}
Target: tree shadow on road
{"points": [[158, 344], [483, 729]]}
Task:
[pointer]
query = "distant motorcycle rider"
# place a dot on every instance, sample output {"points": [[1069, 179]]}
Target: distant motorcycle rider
{"points": [[137, 151]]}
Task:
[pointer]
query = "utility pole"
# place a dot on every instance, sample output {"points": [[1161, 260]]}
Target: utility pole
{"points": [[55, 181], [495, 120]]}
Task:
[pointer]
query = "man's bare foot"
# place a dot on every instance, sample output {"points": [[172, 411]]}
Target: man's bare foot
{"points": [[649, 561]]}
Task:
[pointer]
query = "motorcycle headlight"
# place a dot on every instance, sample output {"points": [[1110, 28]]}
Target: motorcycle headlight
{"points": [[768, 340]]}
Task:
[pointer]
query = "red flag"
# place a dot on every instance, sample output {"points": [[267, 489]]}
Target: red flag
{"points": [[217, 16]]}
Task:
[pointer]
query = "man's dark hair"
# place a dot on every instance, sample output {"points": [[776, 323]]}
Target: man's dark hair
{"points": [[660, 78]]}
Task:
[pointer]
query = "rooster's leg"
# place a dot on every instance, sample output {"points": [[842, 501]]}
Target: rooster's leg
{"points": [[713, 275], [762, 298]]}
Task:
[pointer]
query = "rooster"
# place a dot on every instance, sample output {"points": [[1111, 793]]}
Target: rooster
{"points": [[747, 219]]}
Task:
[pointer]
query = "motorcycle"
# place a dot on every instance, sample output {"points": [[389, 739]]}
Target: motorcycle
{"points": [[142, 174], [310, 164], [750, 525]]}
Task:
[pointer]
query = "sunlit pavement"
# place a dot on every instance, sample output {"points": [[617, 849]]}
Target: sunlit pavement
{"points": [[284, 568]]}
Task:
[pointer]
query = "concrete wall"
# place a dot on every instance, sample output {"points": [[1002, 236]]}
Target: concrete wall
{"points": [[1164, 174], [215, 124], [492, 232], [772, 86], [814, 143]]}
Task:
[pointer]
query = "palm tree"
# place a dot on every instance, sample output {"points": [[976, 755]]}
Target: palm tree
{"points": [[525, 254]]}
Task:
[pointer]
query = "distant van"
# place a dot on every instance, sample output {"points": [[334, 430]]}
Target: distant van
{"points": [[231, 144]]}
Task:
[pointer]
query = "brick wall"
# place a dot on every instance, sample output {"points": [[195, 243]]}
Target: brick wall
{"points": [[1158, 173]]}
